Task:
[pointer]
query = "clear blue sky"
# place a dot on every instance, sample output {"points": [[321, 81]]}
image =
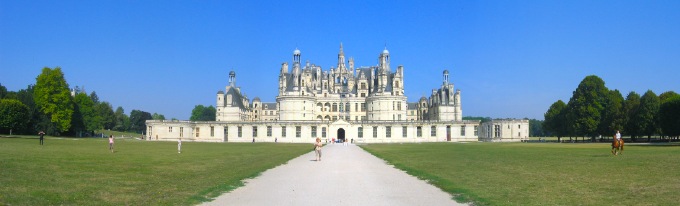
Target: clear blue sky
{"points": [[510, 59]]}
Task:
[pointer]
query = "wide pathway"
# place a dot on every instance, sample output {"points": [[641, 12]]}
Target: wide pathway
{"points": [[346, 175]]}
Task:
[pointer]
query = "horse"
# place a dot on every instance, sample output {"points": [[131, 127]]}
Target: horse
{"points": [[617, 146]]}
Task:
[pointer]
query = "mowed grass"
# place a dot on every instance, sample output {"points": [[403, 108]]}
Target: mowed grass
{"points": [[543, 174], [82, 171]]}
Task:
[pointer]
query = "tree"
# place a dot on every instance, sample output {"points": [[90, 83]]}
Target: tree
{"points": [[138, 120], [105, 112], [647, 114], [536, 128], [94, 97], [90, 118], [157, 116], [613, 117], [14, 115], [122, 120], [631, 106], [586, 106], [202, 113], [669, 115], [52, 96], [555, 119], [3, 91]]}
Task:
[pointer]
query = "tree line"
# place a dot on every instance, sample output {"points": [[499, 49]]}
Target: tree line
{"points": [[51, 106], [594, 110]]}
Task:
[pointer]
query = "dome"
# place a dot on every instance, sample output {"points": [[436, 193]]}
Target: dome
{"points": [[257, 99], [296, 51], [446, 71], [385, 51], [232, 73]]}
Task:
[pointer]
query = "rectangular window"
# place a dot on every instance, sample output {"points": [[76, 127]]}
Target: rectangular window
{"points": [[496, 131], [419, 131], [360, 132], [198, 130], [181, 131], [375, 132], [356, 107], [269, 131], [363, 107], [313, 131], [335, 107], [212, 131], [240, 131], [335, 118], [254, 131], [169, 129], [476, 133], [399, 106], [388, 131], [404, 131], [342, 107], [226, 132], [323, 132], [462, 130], [298, 131], [283, 131], [433, 131]]}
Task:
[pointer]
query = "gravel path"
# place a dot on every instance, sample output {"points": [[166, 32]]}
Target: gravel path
{"points": [[347, 175]]}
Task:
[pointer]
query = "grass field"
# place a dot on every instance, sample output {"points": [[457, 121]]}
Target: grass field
{"points": [[543, 173], [82, 171]]}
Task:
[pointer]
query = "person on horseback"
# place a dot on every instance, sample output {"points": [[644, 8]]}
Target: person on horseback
{"points": [[618, 135]]}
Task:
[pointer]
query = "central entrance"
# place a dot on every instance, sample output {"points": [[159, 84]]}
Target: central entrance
{"points": [[341, 135]]}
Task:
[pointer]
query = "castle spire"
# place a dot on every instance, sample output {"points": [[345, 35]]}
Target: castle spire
{"points": [[341, 59]]}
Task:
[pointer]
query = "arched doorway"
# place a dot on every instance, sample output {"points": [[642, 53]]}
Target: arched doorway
{"points": [[341, 134]]}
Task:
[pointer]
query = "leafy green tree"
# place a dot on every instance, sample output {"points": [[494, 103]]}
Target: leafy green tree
{"points": [[669, 115], [613, 117], [14, 115], [94, 97], [52, 96], [631, 106], [586, 106], [105, 112], [122, 120], [202, 113], [667, 95], [91, 120], [647, 113], [555, 120], [138, 120], [157, 116], [536, 128], [3, 91]]}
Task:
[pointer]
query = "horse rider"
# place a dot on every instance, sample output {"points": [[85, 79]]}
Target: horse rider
{"points": [[618, 136]]}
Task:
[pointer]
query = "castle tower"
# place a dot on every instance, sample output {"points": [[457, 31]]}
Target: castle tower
{"points": [[232, 78]]}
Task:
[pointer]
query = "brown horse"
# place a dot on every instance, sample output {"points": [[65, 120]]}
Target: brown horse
{"points": [[617, 146]]}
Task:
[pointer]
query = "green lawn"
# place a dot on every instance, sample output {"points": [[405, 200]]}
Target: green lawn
{"points": [[82, 171], [543, 173]]}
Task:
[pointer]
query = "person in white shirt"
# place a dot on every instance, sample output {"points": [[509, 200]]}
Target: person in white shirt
{"points": [[179, 145]]}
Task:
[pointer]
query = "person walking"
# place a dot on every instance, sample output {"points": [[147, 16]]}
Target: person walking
{"points": [[111, 143], [317, 149], [179, 145], [42, 137]]}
